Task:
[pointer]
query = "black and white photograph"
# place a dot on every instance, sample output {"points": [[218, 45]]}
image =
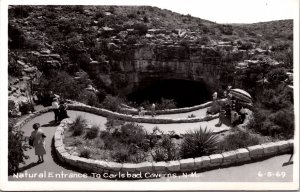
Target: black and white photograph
{"points": [[150, 95]]}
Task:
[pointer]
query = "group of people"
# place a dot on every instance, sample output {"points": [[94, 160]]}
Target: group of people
{"points": [[141, 110], [37, 137], [59, 109], [231, 110]]}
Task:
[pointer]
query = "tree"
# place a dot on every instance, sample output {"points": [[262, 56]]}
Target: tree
{"points": [[277, 75], [16, 148]]}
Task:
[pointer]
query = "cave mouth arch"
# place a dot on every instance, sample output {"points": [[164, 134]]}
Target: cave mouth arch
{"points": [[185, 93]]}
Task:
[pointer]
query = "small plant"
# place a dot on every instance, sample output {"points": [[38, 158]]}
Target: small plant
{"points": [[76, 142], [112, 123], [237, 140], [165, 149], [78, 126], [92, 132], [191, 116], [121, 153], [198, 143], [85, 153], [159, 154]]}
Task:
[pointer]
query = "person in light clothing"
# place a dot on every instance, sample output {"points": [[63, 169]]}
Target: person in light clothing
{"points": [[153, 110], [55, 107], [39, 143]]}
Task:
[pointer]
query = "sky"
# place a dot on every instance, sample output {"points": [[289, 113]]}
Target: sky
{"points": [[220, 11], [234, 11]]}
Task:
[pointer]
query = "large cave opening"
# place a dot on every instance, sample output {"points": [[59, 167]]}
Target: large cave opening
{"points": [[185, 93]]}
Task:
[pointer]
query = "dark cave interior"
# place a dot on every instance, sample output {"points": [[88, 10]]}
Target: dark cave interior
{"points": [[185, 93]]}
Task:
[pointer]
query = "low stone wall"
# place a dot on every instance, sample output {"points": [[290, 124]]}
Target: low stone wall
{"points": [[139, 119], [133, 111], [29, 117], [169, 111], [229, 158]]}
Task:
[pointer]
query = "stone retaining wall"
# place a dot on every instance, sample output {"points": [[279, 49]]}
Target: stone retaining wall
{"points": [[169, 111], [29, 117], [179, 110], [139, 119], [229, 158]]}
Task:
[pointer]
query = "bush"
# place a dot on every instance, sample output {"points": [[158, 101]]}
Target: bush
{"points": [[113, 123], [92, 132], [16, 148], [127, 141], [166, 104], [165, 149], [85, 153], [76, 142], [198, 143], [25, 108], [141, 28], [121, 153], [89, 98], [112, 103], [13, 68], [238, 140], [78, 126], [277, 75], [61, 83]]}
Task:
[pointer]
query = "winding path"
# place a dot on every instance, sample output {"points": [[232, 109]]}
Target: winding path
{"points": [[51, 166]]}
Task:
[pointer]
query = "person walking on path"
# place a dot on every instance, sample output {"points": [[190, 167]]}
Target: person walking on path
{"points": [[153, 110], [55, 107], [39, 143]]}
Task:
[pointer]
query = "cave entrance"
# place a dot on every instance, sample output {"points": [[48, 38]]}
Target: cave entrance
{"points": [[185, 93]]}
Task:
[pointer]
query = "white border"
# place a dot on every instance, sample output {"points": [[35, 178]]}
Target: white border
{"points": [[5, 185]]}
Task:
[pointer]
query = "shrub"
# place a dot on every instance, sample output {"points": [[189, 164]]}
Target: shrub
{"points": [[92, 132], [89, 98], [62, 83], [121, 153], [127, 141], [166, 104], [165, 149], [141, 28], [112, 123], [112, 103], [159, 154], [78, 126], [198, 143], [204, 40], [239, 139], [13, 68], [25, 108], [16, 148], [277, 75], [85, 153], [76, 142]]}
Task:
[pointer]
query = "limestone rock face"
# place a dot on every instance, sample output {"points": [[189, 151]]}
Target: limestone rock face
{"points": [[152, 62]]}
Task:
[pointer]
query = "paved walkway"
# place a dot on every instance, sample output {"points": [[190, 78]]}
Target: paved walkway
{"points": [[44, 171]]}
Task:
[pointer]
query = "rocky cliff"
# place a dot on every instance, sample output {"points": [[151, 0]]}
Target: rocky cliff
{"points": [[123, 48]]}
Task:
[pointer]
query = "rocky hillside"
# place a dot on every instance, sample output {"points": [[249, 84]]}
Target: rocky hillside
{"points": [[119, 47]]}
